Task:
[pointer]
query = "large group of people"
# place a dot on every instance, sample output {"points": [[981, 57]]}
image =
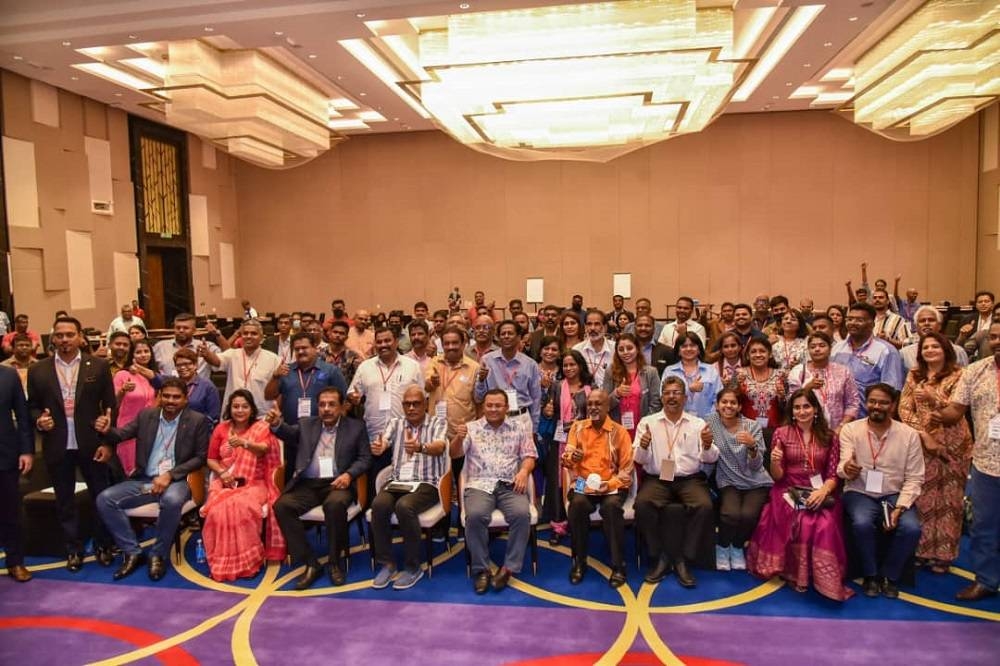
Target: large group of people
{"points": [[821, 437]]}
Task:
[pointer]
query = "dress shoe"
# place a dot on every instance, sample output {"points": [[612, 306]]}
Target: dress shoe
{"points": [[308, 577], [659, 571], [19, 573], [889, 589], [617, 577], [576, 573], [157, 567], [482, 582], [337, 576], [501, 579], [975, 592], [74, 562], [105, 556], [684, 575], [870, 586], [129, 565]]}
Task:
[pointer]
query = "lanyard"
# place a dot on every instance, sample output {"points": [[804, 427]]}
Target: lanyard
{"points": [[876, 454], [387, 377], [671, 443], [594, 365], [68, 379], [509, 377], [810, 448], [248, 370], [447, 380], [305, 385]]}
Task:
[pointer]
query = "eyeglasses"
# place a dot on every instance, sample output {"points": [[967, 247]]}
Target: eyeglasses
{"points": [[413, 403]]}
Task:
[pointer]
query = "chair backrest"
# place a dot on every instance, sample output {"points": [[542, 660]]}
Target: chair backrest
{"points": [[362, 486], [444, 490], [196, 482]]}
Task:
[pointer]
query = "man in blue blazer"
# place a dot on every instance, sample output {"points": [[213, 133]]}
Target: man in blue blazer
{"points": [[17, 444], [332, 452], [170, 443]]}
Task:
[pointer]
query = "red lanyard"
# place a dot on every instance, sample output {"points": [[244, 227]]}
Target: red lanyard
{"points": [[810, 448], [671, 443], [247, 371], [448, 380], [305, 385], [385, 377], [69, 378], [594, 365], [876, 454]]}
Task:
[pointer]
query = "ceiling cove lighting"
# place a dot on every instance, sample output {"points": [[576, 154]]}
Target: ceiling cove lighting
{"points": [[587, 81], [794, 27], [938, 67]]}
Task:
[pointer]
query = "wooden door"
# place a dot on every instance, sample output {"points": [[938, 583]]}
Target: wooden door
{"points": [[153, 287]]}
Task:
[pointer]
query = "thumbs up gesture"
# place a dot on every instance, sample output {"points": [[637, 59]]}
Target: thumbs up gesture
{"points": [[45, 421], [706, 438], [410, 442], [103, 422], [378, 445], [646, 439], [851, 468], [273, 416]]}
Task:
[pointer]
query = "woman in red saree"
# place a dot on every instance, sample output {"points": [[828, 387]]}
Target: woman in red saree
{"points": [[808, 542], [243, 456]]}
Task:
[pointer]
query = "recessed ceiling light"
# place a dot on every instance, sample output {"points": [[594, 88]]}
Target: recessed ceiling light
{"points": [[340, 78], [313, 56], [74, 78], [364, 94], [788, 83], [828, 44], [17, 57], [118, 94], [133, 37], [775, 96], [67, 43], [807, 64], [360, 14], [278, 33], [209, 28], [396, 119], [852, 18], [464, 5]]}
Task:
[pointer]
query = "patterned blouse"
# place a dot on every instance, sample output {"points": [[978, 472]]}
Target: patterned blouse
{"points": [[839, 394], [977, 389], [788, 354], [760, 399]]}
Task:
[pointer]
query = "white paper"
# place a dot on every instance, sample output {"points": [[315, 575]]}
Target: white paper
{"points": [[534, 290], [326, 468], [816, 481], [621, 284], [628, 420], [667, 470], [512, 405], [441, 409], [305, 407], [873, 481], [385, 402]]}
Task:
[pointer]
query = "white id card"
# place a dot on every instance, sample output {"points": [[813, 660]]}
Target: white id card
{"points": [[873, 481], [995, 427], [385, 402], [667, 470], [305, 407], [326, 468], [628, 420], [561, 434], [512, 405], [816, 481], [441, 409]]}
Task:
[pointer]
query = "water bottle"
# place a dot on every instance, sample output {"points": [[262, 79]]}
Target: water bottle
{"points": [[199, 552]]}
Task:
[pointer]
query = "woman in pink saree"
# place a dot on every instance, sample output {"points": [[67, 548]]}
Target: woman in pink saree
{"points": [[243, 456], [134, 393], [804, 541]]}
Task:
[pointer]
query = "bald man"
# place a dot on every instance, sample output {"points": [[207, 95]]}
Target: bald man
{"points": [[361, 338]]}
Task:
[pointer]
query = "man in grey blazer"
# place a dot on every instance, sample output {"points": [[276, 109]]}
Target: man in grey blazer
{"points": [[332, 452], [170, 443]]}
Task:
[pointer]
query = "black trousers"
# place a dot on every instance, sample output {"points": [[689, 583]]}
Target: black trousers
{"points": [[675, 517], [612, 522], [552, 503], [97, 476], [10, 518], [407, 507], [306, 494], [739, 512]]}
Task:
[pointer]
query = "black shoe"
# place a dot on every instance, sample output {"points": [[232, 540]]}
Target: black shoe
{"points": [[308, 577], [74, 562], [576, 573], [889, 589], [617, 577], [157, 567], [684, 575], [870, 586], [129, 565], [553, 539], [337, 576], [501, 579], [659, 571], [105, 556], [482, 582]]}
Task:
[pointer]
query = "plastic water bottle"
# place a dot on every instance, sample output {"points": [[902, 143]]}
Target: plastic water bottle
{"points": [[199, 552]]}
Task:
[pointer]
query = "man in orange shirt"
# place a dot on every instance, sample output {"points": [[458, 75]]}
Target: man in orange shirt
{"points": [[599, 458]]}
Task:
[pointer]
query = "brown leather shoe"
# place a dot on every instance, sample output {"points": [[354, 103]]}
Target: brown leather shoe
{"points": [[501, 579], [975, 592], [19, 573]]}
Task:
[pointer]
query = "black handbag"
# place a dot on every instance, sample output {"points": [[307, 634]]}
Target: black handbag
{"points": [[799, 495]]}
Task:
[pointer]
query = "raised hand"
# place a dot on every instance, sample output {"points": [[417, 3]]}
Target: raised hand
{"points": [[706, 438], [103, 422], [411, 443], [646, 439], [281, 371], [378, 445], [851, 468], [273, 416]]}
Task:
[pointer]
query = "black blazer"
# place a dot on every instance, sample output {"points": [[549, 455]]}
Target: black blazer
{"points": [[353, 453], [270, 343], [661, 357], [16, 433], [95, 393], [190, 446]]}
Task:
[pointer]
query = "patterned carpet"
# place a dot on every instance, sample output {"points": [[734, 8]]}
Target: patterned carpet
{"points": [[730, 618]]}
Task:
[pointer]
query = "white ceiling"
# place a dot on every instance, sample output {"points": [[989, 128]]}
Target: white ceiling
{"points": [[39, 38]]}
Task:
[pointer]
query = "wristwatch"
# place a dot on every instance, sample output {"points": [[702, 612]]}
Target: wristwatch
{"points": [[423, 447]]}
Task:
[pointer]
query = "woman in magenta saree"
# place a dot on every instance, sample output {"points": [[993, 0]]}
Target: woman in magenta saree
{"points": [[799, 544], [243, 456]]}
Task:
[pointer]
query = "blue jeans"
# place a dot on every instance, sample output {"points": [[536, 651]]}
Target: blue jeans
{"points": [[112, 503], [984, 532], [865, 515]]}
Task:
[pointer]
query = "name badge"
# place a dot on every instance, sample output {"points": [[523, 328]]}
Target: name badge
{"points": [[668, 468], [512, 400], [762, 422], [873, 481], [305, 407], [816, 481], [68, 405], [441, 409], [163, 467], [561, 435], [628, 420], [995, 427], [385, 402], [326, 468]]}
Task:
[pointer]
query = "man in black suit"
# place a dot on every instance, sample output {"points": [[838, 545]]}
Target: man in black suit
{"points": [[67, 392], [170, 443], [17, 444], [281, 342], [657, 355], [332, 452]]}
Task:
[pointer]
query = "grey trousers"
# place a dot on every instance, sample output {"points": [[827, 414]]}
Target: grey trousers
{"points": [[479, 506]]}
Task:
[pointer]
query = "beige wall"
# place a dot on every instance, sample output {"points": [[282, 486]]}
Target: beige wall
{"points": [[49, 208], [786, 202], [988, 265]]}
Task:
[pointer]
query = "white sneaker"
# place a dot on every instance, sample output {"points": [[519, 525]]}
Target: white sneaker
{"points": [[721, 558], [739, 562]]}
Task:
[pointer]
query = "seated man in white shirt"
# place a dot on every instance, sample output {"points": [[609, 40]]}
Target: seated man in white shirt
{"points": [[673, 508], [927, 319], [684, 323]]}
